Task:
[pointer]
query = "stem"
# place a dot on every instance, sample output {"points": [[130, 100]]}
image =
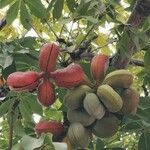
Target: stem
{"points": [[51, 29], [85, 36], [11, 127]]}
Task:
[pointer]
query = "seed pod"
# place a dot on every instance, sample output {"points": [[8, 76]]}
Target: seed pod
{"points": [[74, 98], [80, 116], [130, 99], [48, 55], [93, 106], [68, 77], [99, 65], [78, 135], [46, 95], [54, 127], [22, 81], [119, 78], [110, 98], [106, 127]]}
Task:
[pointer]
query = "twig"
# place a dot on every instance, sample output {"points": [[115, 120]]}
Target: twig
{"points": [[51, 29], [145, 90], [36, 31], [137, 62], [85, 36], [3, 23]]}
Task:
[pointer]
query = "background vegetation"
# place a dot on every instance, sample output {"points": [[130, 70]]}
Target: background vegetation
{"points": [[82, 28]]}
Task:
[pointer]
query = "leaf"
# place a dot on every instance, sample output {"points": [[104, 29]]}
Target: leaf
{"points": [[8, 61], [29, 143], [37, 8], [24, 16], [144, 141], [12, 12], [58, 7], [36, 107], [19, 129], [25, 109], [4, 3], [147, 61], [144, 102], [71, 5], [51, 4], [4, 107], [99, 144]]}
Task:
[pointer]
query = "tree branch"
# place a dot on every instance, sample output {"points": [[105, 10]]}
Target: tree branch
{"points": [[3, 23], [139, 14], [137, 62]]}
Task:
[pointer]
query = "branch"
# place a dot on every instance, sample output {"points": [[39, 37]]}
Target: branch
{"points": [[139, 14], [137, 62], [3, 23]]}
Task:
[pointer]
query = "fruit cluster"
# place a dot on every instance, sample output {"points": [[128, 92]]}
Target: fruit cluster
{"points": [[94, 109], [43, 83], [67, 77]]}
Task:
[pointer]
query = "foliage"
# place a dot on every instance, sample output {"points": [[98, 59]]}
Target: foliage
{"points": [[92, 26]]}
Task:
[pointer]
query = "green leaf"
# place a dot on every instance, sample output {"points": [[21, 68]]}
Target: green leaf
{"points": [[4, 3], [51, 4], [8, 61], [144, 102], [58, 7], [36, 107], [19, 129], [147, 61], [25, 109], [12, 12], [24, 16], [99, 144], [4, 107], [37, 8], [29, 143], [144, 142], [71, 5]]}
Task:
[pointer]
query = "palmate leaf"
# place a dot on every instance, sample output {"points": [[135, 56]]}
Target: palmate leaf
{"points": [[24, 16], [58, 7], [37, 8], [12, 12], [4, 3]]}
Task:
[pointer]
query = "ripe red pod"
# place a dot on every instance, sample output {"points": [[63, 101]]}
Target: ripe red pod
{"points": [[46, 95], [22, 81], [68, 77], [48, 55], [54, 127], [99, 65]]}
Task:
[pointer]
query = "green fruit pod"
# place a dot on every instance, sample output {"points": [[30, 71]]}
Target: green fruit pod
{"points": [[93, 106]]}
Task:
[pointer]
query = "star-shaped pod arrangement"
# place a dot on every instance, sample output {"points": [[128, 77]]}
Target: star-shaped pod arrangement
{"points": [[42, 81]]}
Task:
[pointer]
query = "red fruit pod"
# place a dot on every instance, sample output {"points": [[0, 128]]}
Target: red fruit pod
{"points": [[46, 95], [22, 81], [68, 77], [54, 127], [48, 55], [99, 65]]}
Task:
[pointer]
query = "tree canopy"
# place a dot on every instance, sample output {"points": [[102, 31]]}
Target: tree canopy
{"points": [[82, 29]]}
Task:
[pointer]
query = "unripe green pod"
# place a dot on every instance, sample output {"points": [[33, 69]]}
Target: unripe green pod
{"points": [[106, 127], [78, 135], [110, 98], [74, 98], [119, 78], [93, 106], [130, 99], [80, 116]]}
